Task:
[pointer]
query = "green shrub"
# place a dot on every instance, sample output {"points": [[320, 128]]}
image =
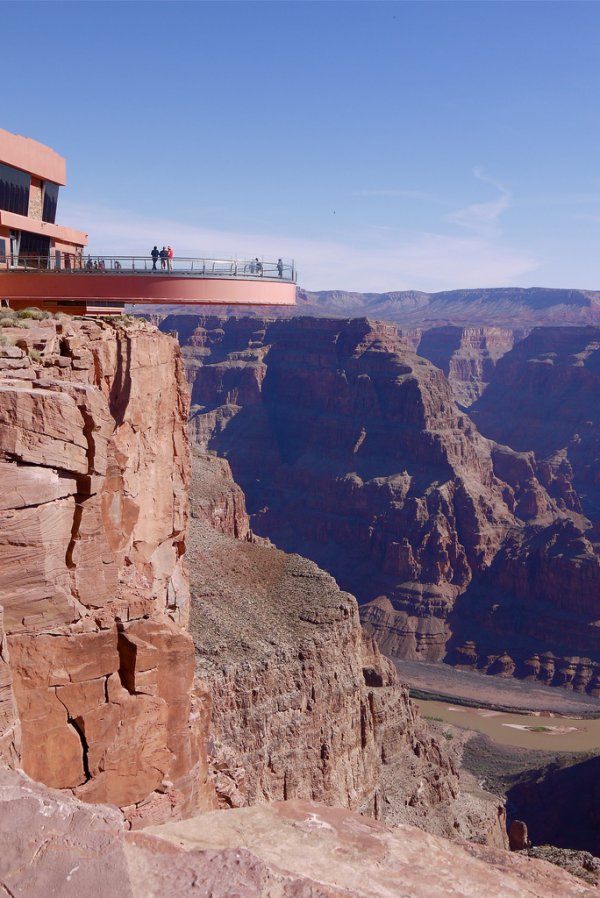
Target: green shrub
{"points": [[36, 314], [35, 354]]}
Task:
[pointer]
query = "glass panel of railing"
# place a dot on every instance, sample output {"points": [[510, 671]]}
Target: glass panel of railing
{"points": [[196, 267]]}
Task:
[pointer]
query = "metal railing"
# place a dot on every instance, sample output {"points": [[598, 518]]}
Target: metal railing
{"points": [[146, 265]]}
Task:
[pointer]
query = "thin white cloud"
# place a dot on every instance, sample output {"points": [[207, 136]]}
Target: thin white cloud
{"points": [[482, 217], [423, 261], [471, 261]]}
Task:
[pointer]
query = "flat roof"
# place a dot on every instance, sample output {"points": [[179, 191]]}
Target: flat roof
{"points": [[32, 157]]}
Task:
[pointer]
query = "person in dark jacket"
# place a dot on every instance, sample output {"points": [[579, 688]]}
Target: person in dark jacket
{"points": [[155, 254]]}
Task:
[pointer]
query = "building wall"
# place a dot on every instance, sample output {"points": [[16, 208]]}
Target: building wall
{"points": [[44, 166], [35, 199], [33, 157]]}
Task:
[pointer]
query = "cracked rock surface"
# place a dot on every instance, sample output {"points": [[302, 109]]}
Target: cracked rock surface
{"points": [[96, 665]]}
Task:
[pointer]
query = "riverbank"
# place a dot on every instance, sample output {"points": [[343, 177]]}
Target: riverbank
{"points": [[440, 682], [537, 731], [534, 747]]}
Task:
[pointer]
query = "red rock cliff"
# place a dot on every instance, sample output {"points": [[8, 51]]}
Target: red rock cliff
{"points": [[351, 451], [303, 704], [467, 355], [95, 468]]}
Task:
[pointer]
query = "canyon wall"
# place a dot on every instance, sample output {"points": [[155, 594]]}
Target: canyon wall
{"points": [[543, 401], [467, 355], [97, 688], [303, 703], [351, 451], [276, 694], [96, 665]]}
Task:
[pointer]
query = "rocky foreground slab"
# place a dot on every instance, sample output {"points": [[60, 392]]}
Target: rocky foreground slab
{"points": [[299, 849], [54, 846]]}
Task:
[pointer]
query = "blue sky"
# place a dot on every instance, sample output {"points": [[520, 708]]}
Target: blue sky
{"points": [[383, 145]]}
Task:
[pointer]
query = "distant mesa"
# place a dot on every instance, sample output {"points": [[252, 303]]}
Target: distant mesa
{"points": [[509, 307]]}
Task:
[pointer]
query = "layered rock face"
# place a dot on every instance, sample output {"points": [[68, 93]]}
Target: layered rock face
{"points": [[216, 499], [94, 645], [96, 666], [542, 592], [351, 451], [467, 356], [543, 398], [303, 704]]}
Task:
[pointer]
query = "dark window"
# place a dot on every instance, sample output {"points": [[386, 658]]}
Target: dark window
{"points": [[50, 201], [93, 303], [105, 303], [2, 250], [14, 190], [34, 250]]}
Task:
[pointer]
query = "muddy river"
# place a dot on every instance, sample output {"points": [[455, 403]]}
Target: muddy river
{"points": [[532, 730]]}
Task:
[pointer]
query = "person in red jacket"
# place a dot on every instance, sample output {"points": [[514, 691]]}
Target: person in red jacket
{"points": [[170, 258]]}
